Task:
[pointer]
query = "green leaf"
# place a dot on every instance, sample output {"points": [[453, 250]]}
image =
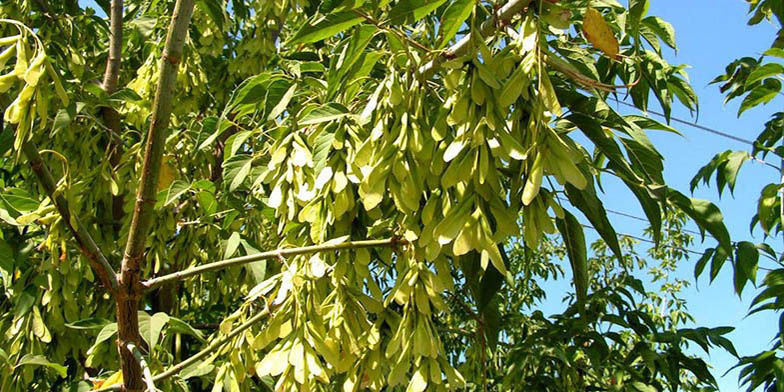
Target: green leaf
{"points": [[764, 72], [719, 257], [234, 167], [775, 52], [324, 113], [106, 332], [283, 103], [746, 259], [593, 209], [207, 202], [176, 189], [6, 263], [150, 327], [62, 120], [705, 214], [651, 207], [234, 143], [410, 11], [125, 95], [326, 26], [454, 16], [574, 239], [637, 10], [240, 175], [732, 167], [179, 326], [702, 262], [663, 29], [760, 95], [40, 360], [19, 200], [198, 369], [231, 245]]}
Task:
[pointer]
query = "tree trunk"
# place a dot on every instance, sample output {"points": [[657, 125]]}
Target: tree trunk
{"points": [[130, 288]]}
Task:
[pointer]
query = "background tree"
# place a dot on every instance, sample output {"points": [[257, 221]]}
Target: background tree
{"points": [[394, 153]]}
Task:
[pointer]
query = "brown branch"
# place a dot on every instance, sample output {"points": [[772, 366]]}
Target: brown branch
{"points": [[129, 291], [394, 241], [86, 243]]}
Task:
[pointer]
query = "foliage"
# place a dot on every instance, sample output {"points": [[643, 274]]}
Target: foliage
{"points": [[757, 81], [432, 124]]}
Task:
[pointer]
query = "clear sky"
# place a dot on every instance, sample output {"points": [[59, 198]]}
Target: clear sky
{"points": [[710, 33]]}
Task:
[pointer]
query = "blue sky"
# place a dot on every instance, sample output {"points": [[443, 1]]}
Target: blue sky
{"points": [[710, 33]]}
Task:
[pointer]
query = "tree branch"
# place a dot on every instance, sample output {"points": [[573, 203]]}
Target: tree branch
{"points": [[86, 243], [112, 73], [499, 20], [394, 241], [130, 289], [162, 107], [143, 363], [110, 116]]}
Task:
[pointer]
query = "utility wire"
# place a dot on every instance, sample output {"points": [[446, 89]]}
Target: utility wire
{"points": [[702, 128], [641, 219]]}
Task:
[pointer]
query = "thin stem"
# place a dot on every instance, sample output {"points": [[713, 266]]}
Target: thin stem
{"points": [[149, 284], [85, 241]]}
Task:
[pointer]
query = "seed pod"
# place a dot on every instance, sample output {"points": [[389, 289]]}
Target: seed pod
{"points": [[33, 74], [6, 82], [21, 59], [6, 55], [10, 40]]}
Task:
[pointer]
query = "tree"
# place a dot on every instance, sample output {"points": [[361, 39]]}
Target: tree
{"points": [[385, 150]]}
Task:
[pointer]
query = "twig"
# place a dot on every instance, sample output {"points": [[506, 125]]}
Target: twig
{"points": [[149, 284]]}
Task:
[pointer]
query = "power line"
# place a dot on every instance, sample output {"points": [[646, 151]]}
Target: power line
{"points": [[700, 127], [689, 123], [637, 218], [641, 219]]}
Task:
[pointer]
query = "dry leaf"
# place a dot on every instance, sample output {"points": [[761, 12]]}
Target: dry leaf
{"points": [[599, 34]]}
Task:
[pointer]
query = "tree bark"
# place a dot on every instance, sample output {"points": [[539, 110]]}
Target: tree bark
{"points": [[130, 289]]}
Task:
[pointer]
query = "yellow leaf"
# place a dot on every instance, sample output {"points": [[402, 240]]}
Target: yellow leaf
{"points": [[114, 379], [599, 33]]}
